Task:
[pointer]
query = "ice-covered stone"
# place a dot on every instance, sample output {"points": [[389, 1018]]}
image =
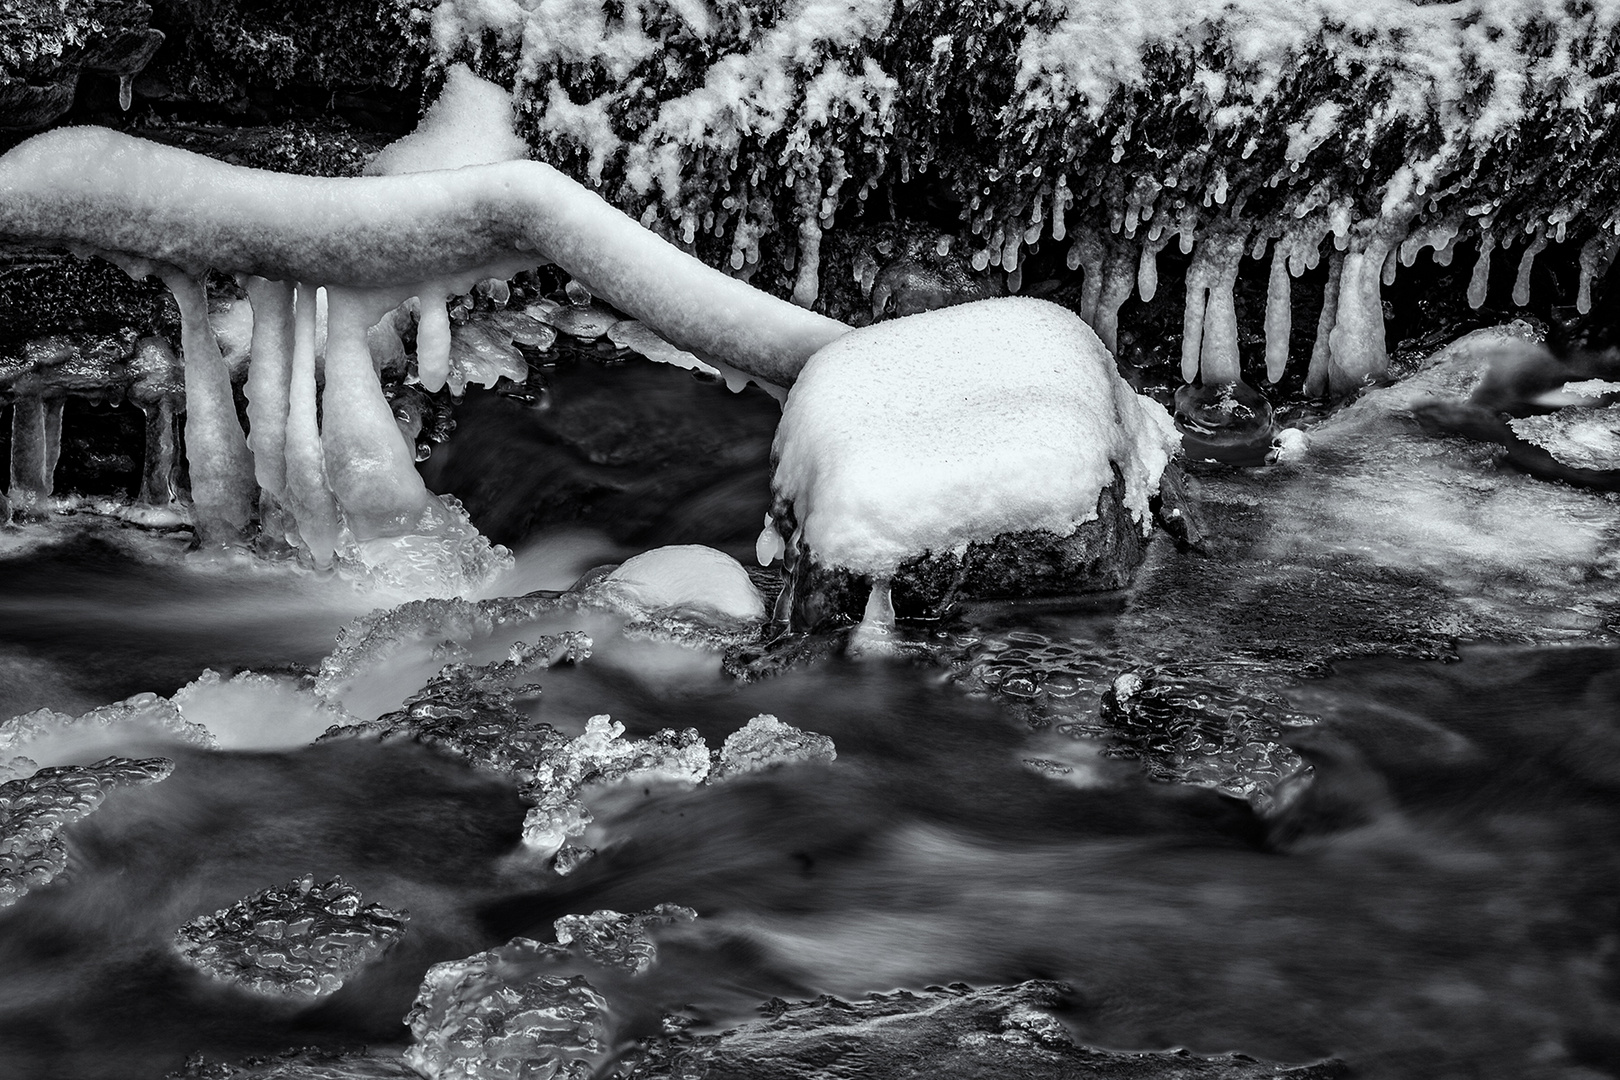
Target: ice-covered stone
{"points": [[523, 1011], [765, 743], [35, 810], [620, 941], [685, 578], [946, 1033], [301, 940], [939, 429]]}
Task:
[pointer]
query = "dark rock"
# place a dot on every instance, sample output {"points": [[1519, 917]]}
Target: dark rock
{"points": [[34, 812], [939, 1034], [298, 941], [1099, 555]]}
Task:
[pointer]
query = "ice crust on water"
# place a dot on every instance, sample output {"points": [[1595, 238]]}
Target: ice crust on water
{"points": [[301, 940], [1578, 437], [524, 1010], [469, 124], [46, 737], [932, 431], [35, 810], [688, 577]]}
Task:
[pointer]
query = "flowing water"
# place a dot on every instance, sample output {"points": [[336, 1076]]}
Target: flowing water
{"points": [[1441, 900]]}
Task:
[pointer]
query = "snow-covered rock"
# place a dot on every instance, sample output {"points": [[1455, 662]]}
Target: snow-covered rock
{"points": [[688, 578], [911, 450]]}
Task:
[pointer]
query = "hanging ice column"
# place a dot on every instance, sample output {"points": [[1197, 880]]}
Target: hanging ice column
{"points": [[370, 465], [1209, 341], [222, 480]]}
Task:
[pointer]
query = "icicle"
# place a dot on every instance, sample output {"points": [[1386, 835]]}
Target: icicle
{"points": [[877, 622], [1279, 313], [1482, 272], [1391, 264], [1527, 263], [268, 381], [432, 340], [769, 547], [1316, 376], [1119, 278], [1089, 251], [1192, 317], [31, 479], [1595, 253], [1220, 255], [126, 92], [221, 468], [1147, 270], [158, 470], [371, 468], [53, 441], [807, 285], [1358, 351], [307, 494]]}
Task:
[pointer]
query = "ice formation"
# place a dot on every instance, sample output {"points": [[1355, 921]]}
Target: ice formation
{"points": [[524, 1009], [368, 245], [35, 810], [300, 940], [45, 737], [765, 743], [933, 431], [686, 577], [1378, 126]]}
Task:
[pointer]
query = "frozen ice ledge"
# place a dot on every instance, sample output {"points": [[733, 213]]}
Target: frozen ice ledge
{"points": [[372, 243]]}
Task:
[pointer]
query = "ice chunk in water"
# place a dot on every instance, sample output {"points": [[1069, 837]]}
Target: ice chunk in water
{"points": [[300, 940], [765, 742], [521, 1010]]}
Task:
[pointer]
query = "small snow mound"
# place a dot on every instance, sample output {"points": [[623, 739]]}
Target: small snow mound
{"points": [[686, 576], [935, 430], [469, 124]]}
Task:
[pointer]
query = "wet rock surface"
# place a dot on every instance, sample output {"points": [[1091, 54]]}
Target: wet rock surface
{"points": [[942, 1033], [299, 941], [35, 811], [1101, 554]]}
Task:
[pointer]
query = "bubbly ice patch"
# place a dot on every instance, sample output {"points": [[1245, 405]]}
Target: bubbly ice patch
{"points": [[1581, 438], [469, 124], [687, 576], [938, 429]]}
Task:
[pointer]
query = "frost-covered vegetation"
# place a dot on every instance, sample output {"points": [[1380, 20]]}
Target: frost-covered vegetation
{"points": [[1101, 132]]}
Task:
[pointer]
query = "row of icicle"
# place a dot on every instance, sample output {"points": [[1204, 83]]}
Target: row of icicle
{"points": [[1348, 350]]}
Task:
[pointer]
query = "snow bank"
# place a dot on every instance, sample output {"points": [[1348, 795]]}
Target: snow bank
{"points": [[939, 429], [469, 124]]}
